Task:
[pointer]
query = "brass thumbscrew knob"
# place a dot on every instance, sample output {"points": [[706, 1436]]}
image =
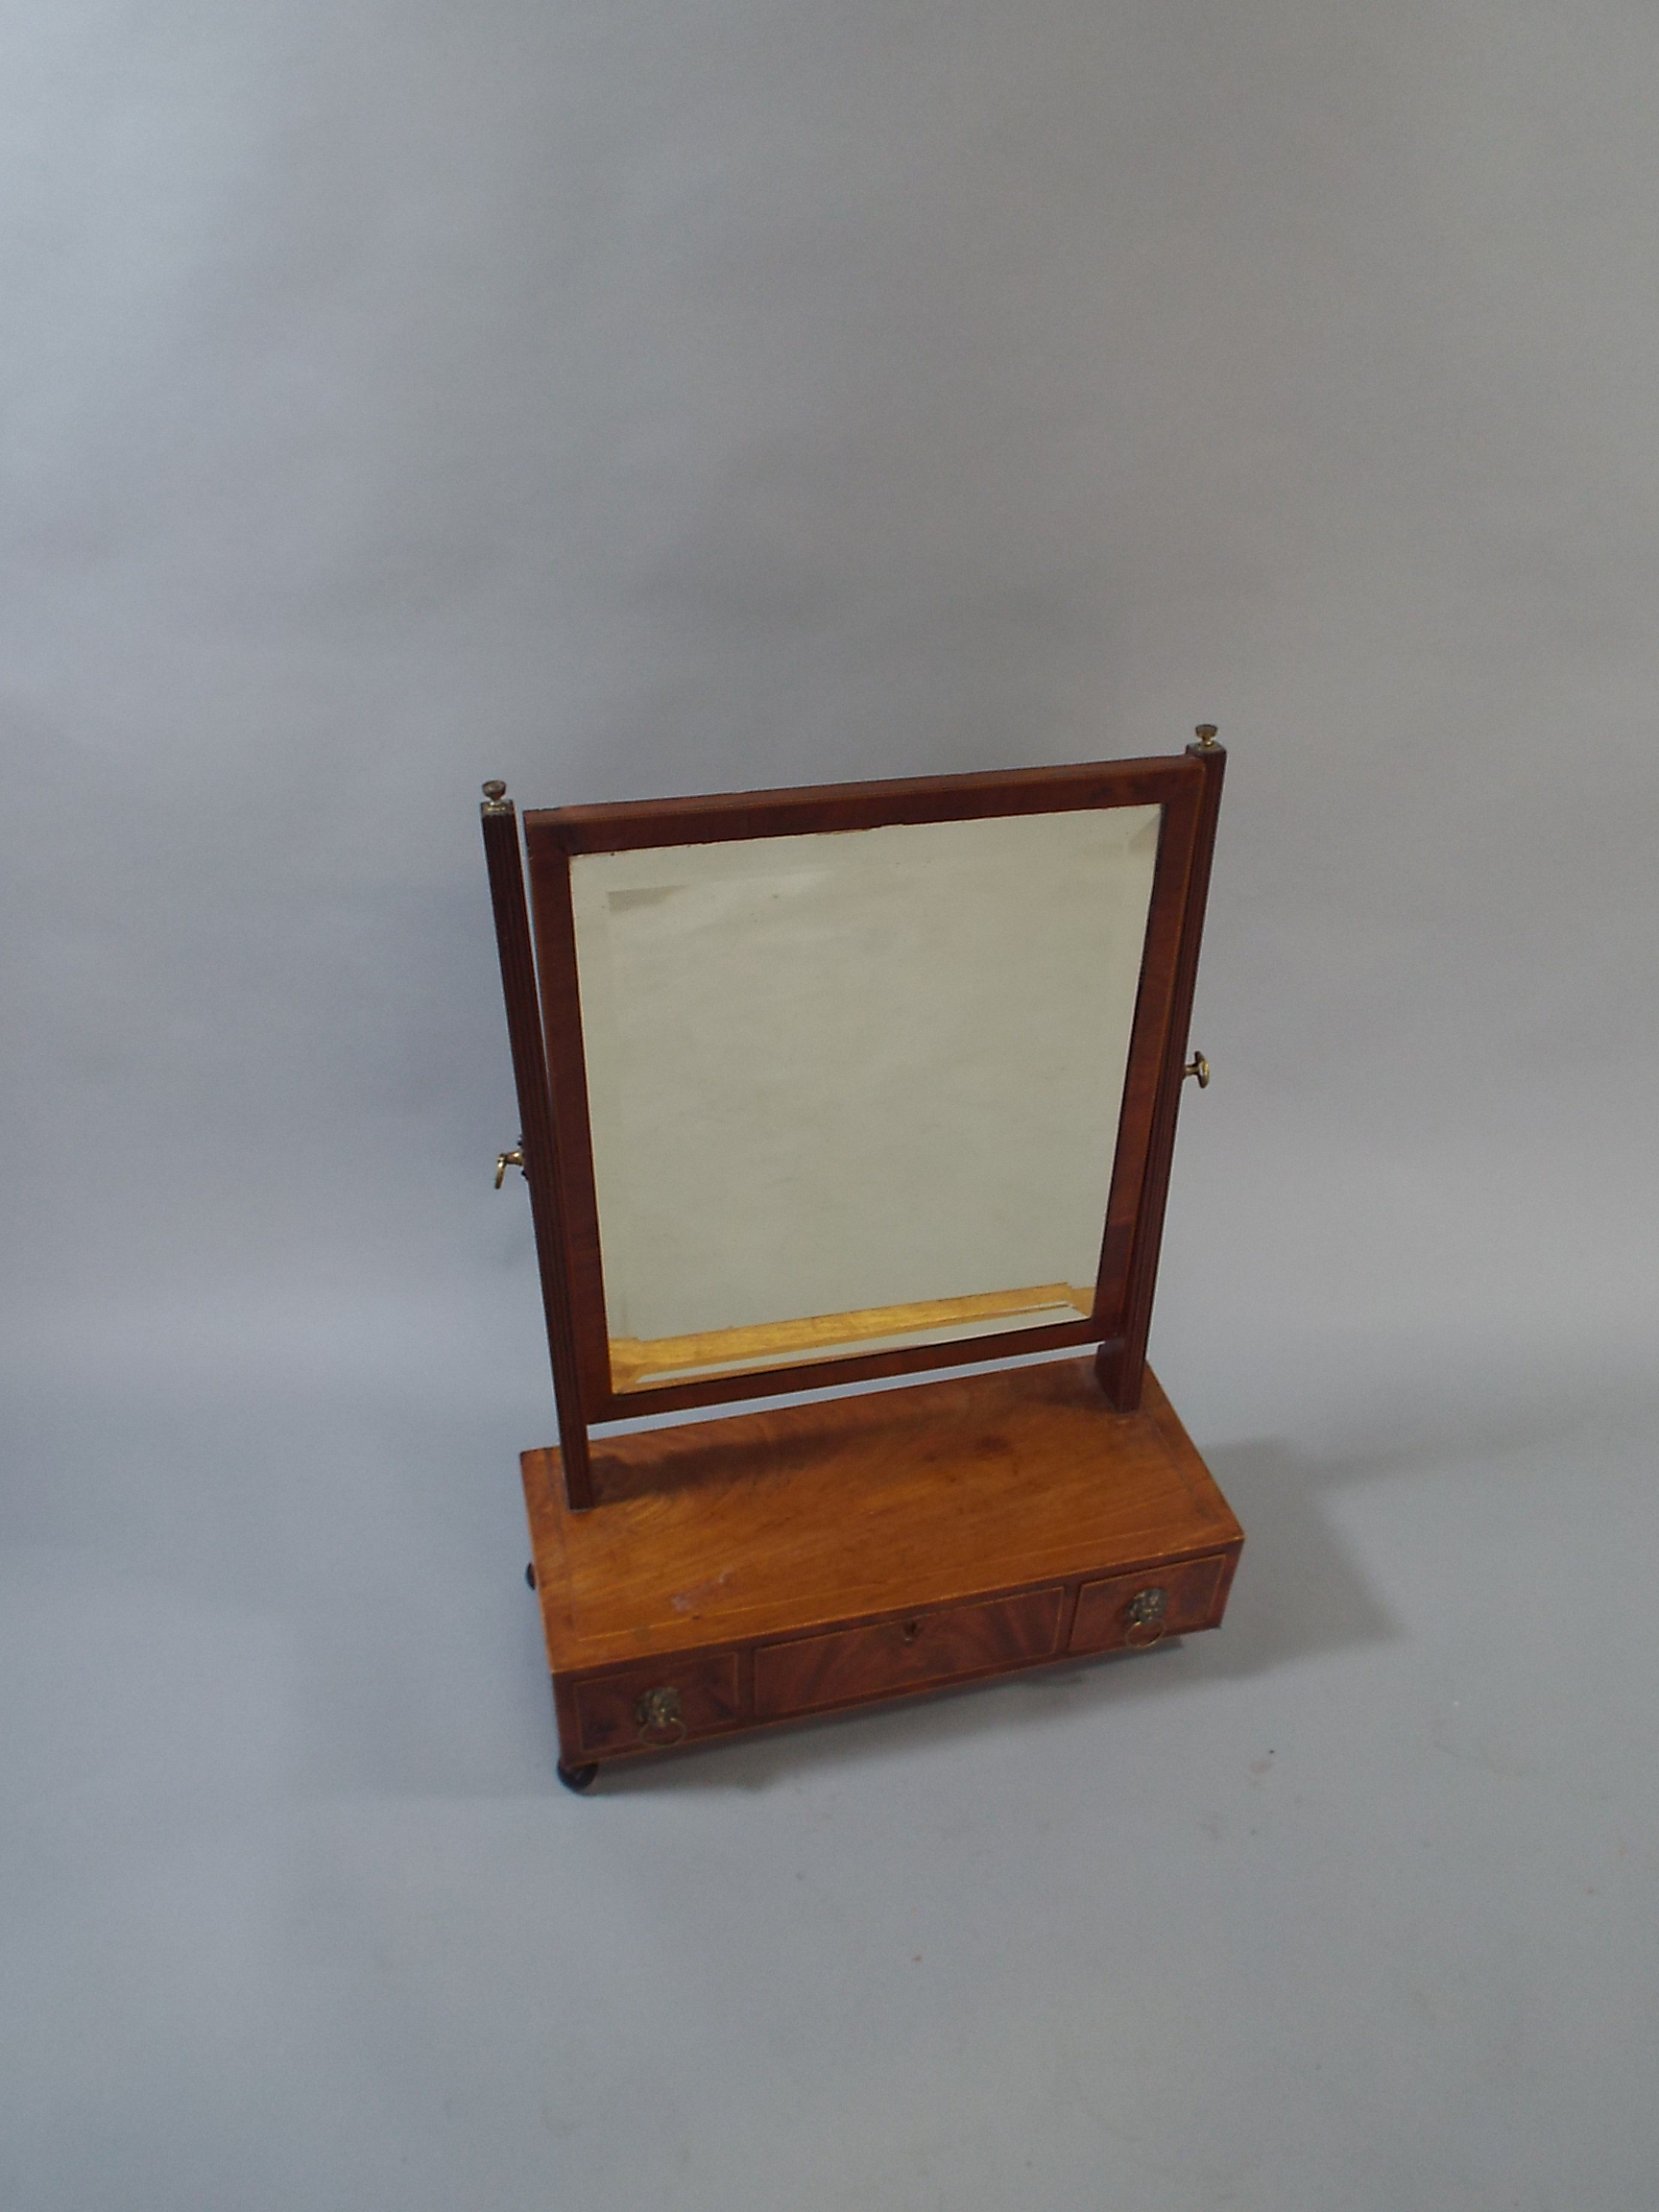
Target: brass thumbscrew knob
{"points": [[506, 1159], [1200, 1067]]}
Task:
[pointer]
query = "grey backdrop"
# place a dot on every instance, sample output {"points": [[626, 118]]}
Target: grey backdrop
{"points": [[639, 395]]}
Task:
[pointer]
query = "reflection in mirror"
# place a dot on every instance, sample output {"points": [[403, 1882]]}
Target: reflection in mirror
{"points": [[856, 1089]]}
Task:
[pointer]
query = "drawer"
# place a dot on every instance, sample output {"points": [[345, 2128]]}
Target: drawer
{"points": [[660, 1701], [1132, 1610], [909, 1654]]}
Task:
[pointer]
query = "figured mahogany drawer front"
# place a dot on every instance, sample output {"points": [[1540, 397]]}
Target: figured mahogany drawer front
{"points": [[660, 1702], [1132, 1610], [890, 1655]]}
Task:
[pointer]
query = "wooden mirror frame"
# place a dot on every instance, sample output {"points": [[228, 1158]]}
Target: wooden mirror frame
{"points": [[540, 979]]}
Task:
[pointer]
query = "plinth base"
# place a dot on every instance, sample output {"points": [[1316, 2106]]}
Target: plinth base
{"points": [[737, 1573]]}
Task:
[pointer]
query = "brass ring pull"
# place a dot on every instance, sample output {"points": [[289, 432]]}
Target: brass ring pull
{"points": [[1146, 1609], [506, 1159], [1200, 1067], [661, 1717]]}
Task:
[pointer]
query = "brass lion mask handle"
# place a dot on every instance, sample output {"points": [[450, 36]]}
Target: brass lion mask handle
{"points": [[660, 1715], [1147, 1609]]}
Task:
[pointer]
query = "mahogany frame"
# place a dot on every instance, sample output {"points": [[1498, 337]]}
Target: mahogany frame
{"points": [[545, 1022]]}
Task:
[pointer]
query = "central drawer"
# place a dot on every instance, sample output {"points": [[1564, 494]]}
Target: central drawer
{"points": [[850, 1663]]}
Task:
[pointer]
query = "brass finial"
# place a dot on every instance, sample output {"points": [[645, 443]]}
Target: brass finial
{"points": [[1206, 736], [494, 798]]}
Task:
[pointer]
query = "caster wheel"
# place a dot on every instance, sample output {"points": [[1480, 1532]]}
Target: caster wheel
{"points": [[530, 1574], [577, 1777]]}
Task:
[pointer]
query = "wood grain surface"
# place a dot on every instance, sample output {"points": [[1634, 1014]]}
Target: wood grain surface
{"points": [[849, 1666], [1158, 1073], [813, 1517], [1194, 1593], [544, 1171], [605, 1705], [631, 823]]}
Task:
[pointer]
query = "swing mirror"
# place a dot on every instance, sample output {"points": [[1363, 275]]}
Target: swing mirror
{"points": [[852, 1081]]}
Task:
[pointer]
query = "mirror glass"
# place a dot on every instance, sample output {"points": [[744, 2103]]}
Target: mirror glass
{"points": [[857, 1088]]}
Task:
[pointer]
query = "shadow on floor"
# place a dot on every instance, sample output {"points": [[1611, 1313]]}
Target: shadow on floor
{"points": [[1298, 1591]]}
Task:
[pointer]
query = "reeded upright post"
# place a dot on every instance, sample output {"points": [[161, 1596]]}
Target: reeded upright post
{"points": [[541, 1162]]}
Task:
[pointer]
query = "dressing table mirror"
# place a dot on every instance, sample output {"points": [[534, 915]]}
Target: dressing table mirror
{"points": [[853, 1085]]}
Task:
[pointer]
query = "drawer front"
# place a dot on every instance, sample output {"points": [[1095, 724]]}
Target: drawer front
{"points": [[1135, 1610], [891, 1655], [659, 1702]]}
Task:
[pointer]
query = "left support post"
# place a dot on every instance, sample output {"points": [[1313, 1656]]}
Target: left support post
{"points": [[506, 864]]}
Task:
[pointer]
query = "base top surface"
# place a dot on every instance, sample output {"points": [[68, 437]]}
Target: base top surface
{"points": [[780, 1518]]}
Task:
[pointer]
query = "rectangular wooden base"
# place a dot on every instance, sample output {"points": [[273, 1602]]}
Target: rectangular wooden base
{"points": [[737, 1573]]}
